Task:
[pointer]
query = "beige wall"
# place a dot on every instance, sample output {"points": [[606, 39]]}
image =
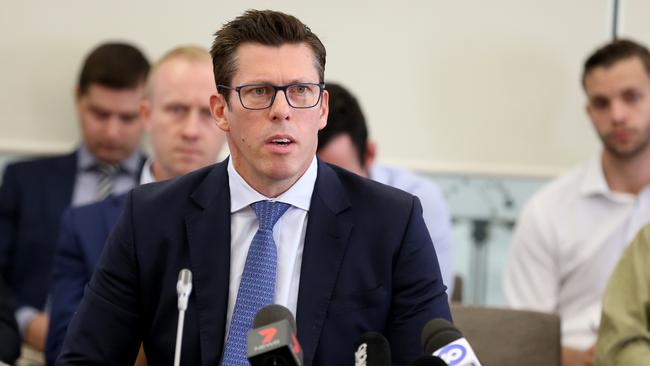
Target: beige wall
{"points": [[466, 86]]}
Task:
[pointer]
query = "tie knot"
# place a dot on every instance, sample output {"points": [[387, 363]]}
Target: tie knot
{"points": [[268, 212], [107, 170]]}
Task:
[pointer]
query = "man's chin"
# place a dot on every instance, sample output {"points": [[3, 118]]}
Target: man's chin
{"points": [[110, 156], [285, 171], [110, 159], [624, 152]]}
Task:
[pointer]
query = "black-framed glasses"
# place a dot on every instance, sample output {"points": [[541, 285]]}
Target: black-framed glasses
{"points": [[262, 96]]}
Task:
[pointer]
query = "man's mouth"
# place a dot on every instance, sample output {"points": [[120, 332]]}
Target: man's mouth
{"points": [[282, 141]]}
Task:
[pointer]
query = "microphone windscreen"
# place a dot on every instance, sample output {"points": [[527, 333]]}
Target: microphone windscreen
{"points": [[372, 349], [438, 333], [185, 276], [271, 314], [429, 361]]}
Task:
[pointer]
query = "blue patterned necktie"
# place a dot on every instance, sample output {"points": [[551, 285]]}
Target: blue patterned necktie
{"points": [[257, 287]]}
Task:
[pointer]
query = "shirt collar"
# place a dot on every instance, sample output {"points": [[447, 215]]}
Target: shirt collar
{"points": [[147, 174], [132, 163], [594, 183], [87, 161], [299, 195], [593, 180]]}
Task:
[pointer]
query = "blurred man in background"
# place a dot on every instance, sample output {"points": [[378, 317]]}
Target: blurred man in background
{"points": [[344, 142], [572, 233], [35, 193], [184, 137]]}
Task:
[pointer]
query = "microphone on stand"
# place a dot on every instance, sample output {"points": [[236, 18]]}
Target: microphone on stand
{"points": [[442, 339], [372, 349], [183, 288], [272, 341]]}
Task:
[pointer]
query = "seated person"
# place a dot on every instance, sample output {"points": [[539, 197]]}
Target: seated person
{"points": [[184, 137], [571, 233], [270, 224], [35, 193]]}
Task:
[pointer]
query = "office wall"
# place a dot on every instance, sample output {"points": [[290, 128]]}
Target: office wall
{"points": [[448, 86]]}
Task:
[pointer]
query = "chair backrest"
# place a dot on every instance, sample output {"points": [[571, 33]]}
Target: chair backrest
{"points": [[457, 294], [505, 337]]}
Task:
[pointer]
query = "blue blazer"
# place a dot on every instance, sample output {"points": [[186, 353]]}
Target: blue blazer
{"points": [[368, 265], [84, 231], [32, 198]]}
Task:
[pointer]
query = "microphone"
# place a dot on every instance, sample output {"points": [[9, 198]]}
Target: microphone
{"points": [[372, 349], [442, 339], [272, 341], [429, 361], [183, 289]]}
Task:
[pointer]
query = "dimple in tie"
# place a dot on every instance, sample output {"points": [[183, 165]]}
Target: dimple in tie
{"points": [[257, 287]]}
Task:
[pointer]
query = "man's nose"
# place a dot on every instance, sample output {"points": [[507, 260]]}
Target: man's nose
{"points": [[191, 125], [112, 128], [280, 109], [618, 112]]}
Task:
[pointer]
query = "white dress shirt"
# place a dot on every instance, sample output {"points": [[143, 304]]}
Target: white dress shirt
{"points": [[146, 176], [288, 234], [566, 244]]}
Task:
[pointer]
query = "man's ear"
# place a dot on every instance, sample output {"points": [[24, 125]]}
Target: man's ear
{"points": [[219, 107], [371, 154], [145, 114], [324, 110]]}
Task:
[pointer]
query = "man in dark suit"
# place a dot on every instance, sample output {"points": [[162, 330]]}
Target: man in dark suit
{"points": [[35, 193], [176, 112], [345, 254]]}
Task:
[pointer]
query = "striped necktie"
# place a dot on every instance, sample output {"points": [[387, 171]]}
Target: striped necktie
{"points": [[257, 287], [106, 177]]}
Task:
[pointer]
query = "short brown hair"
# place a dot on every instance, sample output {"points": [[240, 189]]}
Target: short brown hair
{"points": [[267, 27], [613, 52], [115, 66]]}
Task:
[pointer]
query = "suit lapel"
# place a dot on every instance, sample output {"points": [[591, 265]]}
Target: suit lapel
{"points": [[62, 179], [208, 236], [326, 238]]}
